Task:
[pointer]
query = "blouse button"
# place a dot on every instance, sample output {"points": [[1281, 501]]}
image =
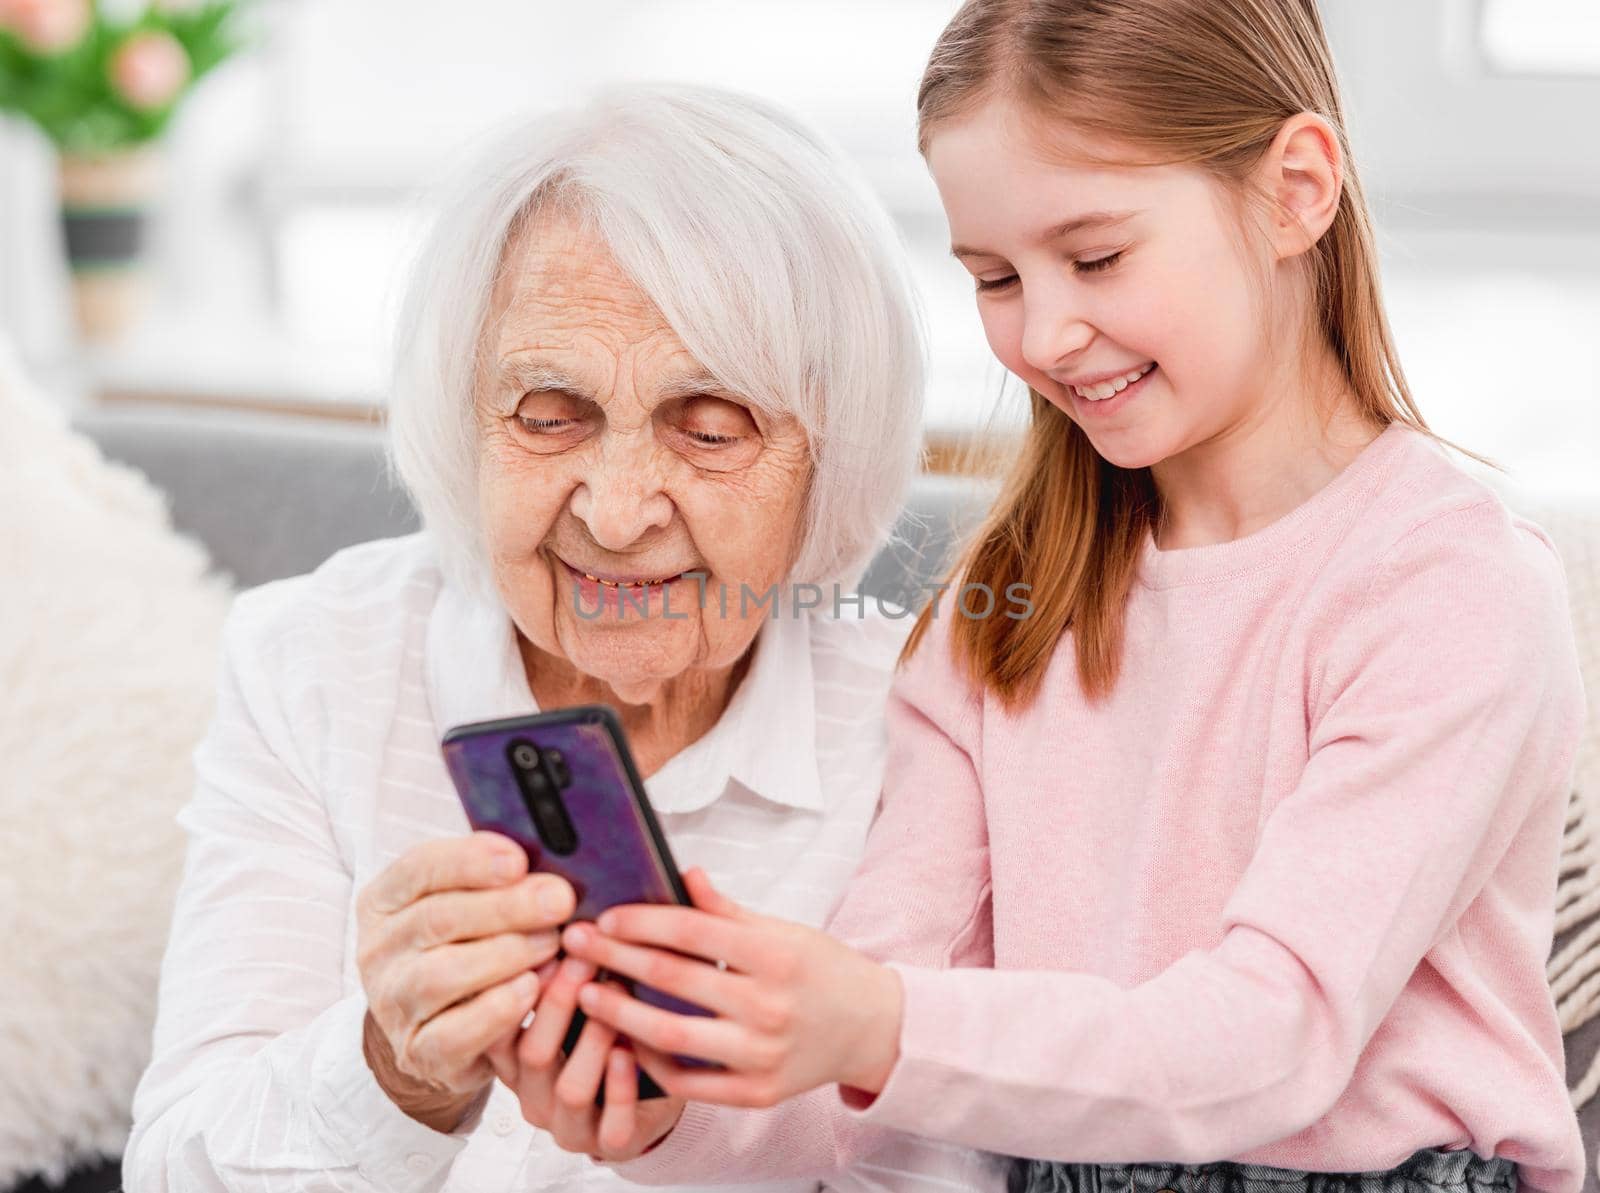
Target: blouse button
{"points": [[504, 1124], [418, 1162]]}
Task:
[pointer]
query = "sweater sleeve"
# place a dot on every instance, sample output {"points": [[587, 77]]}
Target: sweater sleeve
{"points": [[258, 1080], [1449, 709], [920, 895]]}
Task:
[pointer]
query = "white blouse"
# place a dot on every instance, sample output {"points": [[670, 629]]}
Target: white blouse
{"points": [[322, 766]]}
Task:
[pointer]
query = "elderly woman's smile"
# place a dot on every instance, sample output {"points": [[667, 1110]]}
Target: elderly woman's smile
{"points": [[623, 489]]}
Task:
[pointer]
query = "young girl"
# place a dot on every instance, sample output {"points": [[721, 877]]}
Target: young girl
{"points": [[1243, 847]]}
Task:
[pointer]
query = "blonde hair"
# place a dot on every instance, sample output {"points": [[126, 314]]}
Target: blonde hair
{"points": [[1216, 79]]}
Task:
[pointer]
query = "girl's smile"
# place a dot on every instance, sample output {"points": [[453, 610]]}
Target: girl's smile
{"points": [[1103, 398]]}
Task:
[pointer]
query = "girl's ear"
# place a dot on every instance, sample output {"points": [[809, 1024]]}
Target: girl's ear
{"points": [[1303, 170]]}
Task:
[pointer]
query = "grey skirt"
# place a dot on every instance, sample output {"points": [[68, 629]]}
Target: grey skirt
{"points": [[1457, 1171]]}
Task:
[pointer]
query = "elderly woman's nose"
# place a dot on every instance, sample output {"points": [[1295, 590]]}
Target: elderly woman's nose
{"points": [[620, 499]]}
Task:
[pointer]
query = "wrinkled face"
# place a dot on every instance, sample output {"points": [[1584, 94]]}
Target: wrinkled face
{"points": [[612, 463], [1123, 295]]}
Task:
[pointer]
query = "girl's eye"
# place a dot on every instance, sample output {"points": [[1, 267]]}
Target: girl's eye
{"points": [[1096, 265], [988, 285]]}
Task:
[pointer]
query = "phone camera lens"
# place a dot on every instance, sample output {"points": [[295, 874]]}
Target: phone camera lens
{"points": [[558, 768], [541, 774]]}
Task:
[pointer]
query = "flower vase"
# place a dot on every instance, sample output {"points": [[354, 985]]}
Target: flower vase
{"points": [[105, 203]]}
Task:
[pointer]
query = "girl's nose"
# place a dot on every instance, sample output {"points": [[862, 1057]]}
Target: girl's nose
{"points": [[1053, 332]]}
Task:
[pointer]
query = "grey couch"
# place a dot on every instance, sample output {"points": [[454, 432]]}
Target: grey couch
{"points": [[272, 497]]}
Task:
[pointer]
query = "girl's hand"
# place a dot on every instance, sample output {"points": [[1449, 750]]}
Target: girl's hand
{"points": [[558, 1095], [794, 1008]]}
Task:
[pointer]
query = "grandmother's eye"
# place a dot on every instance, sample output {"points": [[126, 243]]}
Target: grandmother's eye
{"points": [[553, 412], [712, 422]]}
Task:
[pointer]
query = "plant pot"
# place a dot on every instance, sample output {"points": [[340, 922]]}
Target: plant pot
{"points": [[105, 201]]}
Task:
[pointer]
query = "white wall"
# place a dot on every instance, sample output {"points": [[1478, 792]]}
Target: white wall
{"points": [[31, 289], [1486, 184], [1431, 119]]}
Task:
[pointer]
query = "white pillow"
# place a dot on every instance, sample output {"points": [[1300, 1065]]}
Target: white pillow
{"points": [[109, 627]]}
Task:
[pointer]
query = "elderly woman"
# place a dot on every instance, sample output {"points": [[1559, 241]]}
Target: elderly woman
{"points": [[659, 352]]}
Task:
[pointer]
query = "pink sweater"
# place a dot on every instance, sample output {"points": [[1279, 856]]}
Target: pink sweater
{"points": [[1286, 898]]}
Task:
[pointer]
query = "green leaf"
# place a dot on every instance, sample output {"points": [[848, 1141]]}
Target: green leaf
{"points": [[69, 95]]}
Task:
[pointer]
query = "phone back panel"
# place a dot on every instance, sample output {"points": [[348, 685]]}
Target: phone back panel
{"points": [[621, 856]]}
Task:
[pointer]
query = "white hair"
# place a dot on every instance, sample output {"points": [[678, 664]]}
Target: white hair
{"points": [[765, 252]]}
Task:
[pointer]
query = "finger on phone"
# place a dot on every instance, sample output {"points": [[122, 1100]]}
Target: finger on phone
{"points": [[540, 1045], [618, 1117], [691, 980], [443, 977], [536, 904], [707, 898], [585, 1069], [686, 930], [476, 861], [456, 1039], [718, 1086], [724, 1041]]}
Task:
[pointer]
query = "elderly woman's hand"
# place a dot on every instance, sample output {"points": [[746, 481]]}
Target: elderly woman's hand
{"points": [[558, 1093], [448, 941]]}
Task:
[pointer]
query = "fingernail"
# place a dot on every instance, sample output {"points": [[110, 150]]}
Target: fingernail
{"points": [[577, 936], [552, 900], [607, 921], [525, 986], [507, 865], [589, 998]]}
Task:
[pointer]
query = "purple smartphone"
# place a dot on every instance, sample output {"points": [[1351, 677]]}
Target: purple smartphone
{"points": [[563, 785]]}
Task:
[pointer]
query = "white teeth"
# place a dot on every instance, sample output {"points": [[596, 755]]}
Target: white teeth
{"points": [[1106, 389]]}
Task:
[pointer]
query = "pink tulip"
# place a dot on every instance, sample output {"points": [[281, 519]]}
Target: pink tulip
{"points": [[46, 26], [149, 69]]}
